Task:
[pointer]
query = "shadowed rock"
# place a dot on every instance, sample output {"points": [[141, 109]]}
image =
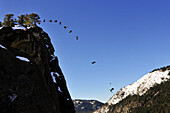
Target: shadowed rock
{"points": [[27, 86]]}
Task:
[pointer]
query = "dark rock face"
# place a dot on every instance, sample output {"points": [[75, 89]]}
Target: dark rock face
{"points": [[34, 85]]}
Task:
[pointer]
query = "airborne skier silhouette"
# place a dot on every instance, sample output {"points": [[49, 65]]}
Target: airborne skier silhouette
{"points": [[93, 62], [77, 37], [111, 90], [70, 31], [65, 27]]}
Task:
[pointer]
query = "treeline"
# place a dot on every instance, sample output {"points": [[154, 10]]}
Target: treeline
{"points": [[156, 100], [25, 20]]}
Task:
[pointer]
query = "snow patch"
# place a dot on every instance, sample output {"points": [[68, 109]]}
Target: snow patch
{"points": [[13, 97], [52, 73], [2, 46], [59, 89], [53, 77], [47, 46], [23, 58], [92, 102], [98, 107], [18, 27], [53, 58]]}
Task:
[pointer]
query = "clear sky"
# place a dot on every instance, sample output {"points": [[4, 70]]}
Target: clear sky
{"points": [[126, 38]]}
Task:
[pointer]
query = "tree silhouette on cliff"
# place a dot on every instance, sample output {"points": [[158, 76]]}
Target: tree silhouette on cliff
{"points": [[9, 21], [34, 18], [27, 20], [24, 20]]}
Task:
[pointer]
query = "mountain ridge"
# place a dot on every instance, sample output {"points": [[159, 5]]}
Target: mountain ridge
{"points": [[139, 87], [86, 106]]}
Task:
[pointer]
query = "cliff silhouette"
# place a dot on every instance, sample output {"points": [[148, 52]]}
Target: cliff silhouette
{"points": [[31, 80]]}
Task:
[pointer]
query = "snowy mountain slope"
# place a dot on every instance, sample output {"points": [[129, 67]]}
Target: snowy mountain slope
{"points": [[139, 87], [86, 105]]}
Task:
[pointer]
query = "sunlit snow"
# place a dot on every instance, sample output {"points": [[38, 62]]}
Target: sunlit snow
{"points": [[53, 58], [2, 46], [53, 77], [59, 89], [139, 87], [18, 27], [23, 58], [47, 46]]}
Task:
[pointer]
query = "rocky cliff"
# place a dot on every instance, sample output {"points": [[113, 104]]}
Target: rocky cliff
{"points": [[31, 80]]}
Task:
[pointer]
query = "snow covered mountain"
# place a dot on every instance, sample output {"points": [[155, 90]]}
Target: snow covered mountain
{"points": [[86, 106], [140, 87]]}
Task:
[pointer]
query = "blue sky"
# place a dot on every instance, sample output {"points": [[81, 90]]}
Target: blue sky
{"points": [[127, 39]]}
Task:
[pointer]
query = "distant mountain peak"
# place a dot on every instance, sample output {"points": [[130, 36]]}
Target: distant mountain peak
{"points": [[86, 105]]}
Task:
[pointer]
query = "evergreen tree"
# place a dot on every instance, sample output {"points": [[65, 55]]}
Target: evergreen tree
{"points": [[28, 21], [24, 20], [34, 18], [21, 20], [9, 21]]}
